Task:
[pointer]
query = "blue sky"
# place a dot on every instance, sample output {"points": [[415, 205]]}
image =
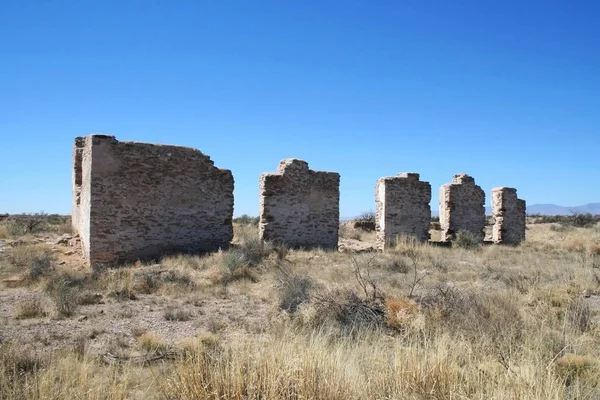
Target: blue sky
{"points": [[506, 91]]}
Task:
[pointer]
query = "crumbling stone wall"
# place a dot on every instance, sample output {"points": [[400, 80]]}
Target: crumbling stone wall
{"points": [[509, 216], [402, 208], [299, 207], [462, 208], [77, 176], [139, 200]]}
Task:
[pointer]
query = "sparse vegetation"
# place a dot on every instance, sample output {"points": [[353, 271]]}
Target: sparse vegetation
{"points": [[31, 308], [367, 216], [63, 292], [577, 220], [293, 290], [12, 226], [245, 219], [466, 240], [177, 314], [151, 343], [418, 321]]}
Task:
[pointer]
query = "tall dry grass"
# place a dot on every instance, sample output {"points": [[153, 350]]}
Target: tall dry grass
{"points": [[488, 322]]}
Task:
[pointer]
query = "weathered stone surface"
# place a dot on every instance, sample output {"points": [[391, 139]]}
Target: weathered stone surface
{"points": [[509, 216], [139, 201], [402, 208], [462, 208], [299, 207]]}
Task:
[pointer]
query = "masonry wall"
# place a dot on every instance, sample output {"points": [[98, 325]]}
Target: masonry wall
{"points": [[402, 208], [462, 208], [77, 176], [509, 216], [300, 207], [140, 200]]}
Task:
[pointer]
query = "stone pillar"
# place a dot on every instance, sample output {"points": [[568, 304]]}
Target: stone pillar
{"points": [[509, 216], [299, 207], [402, 208], [462, 208], [76, 181]]}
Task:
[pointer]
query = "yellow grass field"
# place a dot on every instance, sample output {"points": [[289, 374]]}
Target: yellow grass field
{"points": [[265, 322]]}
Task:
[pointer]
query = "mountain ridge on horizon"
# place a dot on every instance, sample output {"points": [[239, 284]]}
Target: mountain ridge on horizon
{"points": [[543, 209]]}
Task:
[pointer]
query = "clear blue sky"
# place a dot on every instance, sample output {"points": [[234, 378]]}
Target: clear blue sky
{"points": [[506, 91]]}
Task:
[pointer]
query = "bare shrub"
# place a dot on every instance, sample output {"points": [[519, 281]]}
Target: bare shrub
{"points": [[366, 216], [346, 310]]}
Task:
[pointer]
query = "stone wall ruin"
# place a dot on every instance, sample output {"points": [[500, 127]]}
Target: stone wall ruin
{"points": [[462, 208], [509, 214], [139, 200], [299, 207], [402, 208]]}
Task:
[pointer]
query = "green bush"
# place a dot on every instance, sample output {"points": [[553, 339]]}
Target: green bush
{"points": [[64, 293], [467, 240], [253, 251], [293, 290], [578, 220], [246, 219]]}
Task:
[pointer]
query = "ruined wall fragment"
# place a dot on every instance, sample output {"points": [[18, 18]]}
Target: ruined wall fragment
{"points": [[139, 200], [402, 208], [462, 208], [299, 207], [509, 215]]}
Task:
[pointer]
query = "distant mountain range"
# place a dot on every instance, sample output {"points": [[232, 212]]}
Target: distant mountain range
{"points": [[553, 209], [543, 209]]}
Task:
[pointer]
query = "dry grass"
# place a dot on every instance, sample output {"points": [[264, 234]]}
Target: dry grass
{"points": [[177, 314], [31, 308], [149, 342], [419, 321], [26, 255]]}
